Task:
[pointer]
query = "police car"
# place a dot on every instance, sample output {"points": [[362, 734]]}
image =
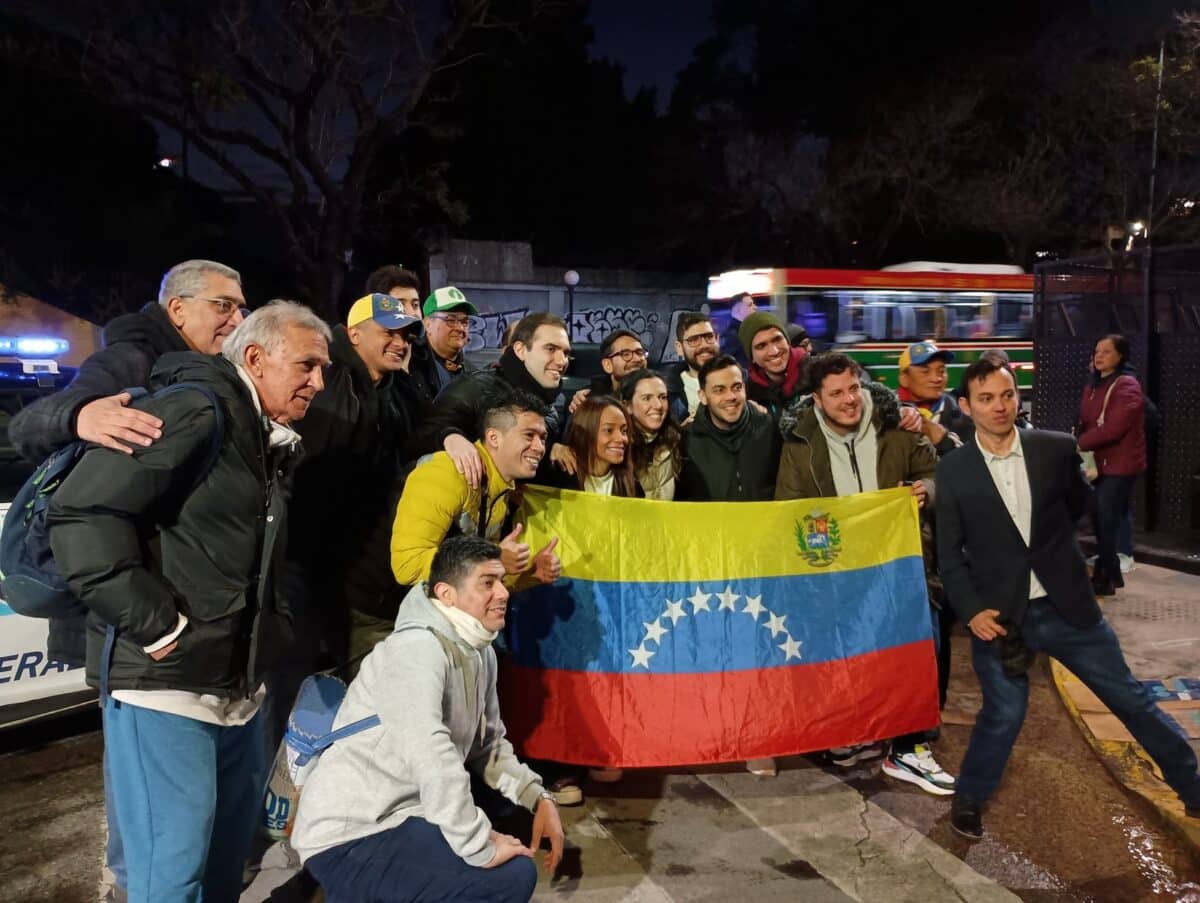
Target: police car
{"points": [[32, 686]]}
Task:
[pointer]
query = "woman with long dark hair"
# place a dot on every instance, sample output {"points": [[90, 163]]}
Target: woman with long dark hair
{"points": [[1112, 427], [599, 438], [656, 454]]}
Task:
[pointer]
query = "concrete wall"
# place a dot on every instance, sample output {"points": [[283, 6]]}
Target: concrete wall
{"points": [[501, 280]]}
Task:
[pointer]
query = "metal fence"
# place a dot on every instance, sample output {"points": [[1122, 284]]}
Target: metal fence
{"points": [[1152, 297]]}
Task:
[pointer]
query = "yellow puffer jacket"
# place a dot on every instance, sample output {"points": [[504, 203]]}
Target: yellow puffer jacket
{"points": [[436, 503]]}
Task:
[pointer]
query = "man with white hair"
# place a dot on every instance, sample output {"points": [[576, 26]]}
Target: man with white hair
{"points": [[173, 548]]}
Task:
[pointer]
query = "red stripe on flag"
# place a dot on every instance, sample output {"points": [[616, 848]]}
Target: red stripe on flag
{"points": [[647, 720]]}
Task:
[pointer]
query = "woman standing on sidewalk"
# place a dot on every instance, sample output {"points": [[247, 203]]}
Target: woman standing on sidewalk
{"points": [[1112, 426]]}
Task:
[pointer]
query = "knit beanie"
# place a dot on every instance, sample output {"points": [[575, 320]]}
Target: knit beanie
{"points": [[754, 324]]}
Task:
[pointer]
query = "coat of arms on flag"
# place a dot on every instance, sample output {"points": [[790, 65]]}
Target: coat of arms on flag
{"points": [[819, 538]]}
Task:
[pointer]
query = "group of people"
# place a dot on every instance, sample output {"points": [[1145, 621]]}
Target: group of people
{"points": [[345, 497]]}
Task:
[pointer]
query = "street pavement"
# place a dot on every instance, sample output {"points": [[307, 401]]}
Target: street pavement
{"points": [[1060, 829]]}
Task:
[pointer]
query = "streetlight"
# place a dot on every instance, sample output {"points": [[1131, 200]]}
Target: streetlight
{"points": [[570, 280]]}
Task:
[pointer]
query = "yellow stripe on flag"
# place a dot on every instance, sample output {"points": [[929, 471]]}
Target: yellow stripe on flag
{"points": [[600, 537]]}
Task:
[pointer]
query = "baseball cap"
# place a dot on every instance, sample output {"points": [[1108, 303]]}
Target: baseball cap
{"points": [[447, 298], [383, 309], [923, 353]]}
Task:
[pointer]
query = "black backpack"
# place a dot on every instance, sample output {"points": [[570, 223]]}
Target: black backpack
{"points": [[29, 577]]}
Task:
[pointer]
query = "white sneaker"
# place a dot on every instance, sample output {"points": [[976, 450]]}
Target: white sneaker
{"points": [[1127, 563], [764, 768], [919, 767]]}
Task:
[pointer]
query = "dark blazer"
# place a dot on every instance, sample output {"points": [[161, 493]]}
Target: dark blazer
{"points": [[983, 561]]}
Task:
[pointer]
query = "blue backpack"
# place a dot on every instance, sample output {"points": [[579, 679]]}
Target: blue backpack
{"points": [[309, 733], [29, 577]]}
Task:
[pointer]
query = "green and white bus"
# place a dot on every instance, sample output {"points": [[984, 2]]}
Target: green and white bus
{"points": [[872, 315]]}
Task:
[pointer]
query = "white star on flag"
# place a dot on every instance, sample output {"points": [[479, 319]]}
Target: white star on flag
{"points": [[699, 601], [790, 647], [641, 656], [754, 606], [674, 612], [727, 599], [775, 624], [654, 631]]}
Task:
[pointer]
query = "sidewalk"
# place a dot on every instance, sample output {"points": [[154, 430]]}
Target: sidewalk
{"points": [[1157, 619]]}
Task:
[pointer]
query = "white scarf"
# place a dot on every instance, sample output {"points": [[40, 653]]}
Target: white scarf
{"points": [[469, 627], [280, 434]]}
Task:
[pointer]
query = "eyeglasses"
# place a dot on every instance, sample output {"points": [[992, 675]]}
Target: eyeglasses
{"points": [[459, 321], [629, 354], [224, 306], [704, 338]]}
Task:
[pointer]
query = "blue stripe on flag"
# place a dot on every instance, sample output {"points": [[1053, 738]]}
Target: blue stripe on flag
{"points": [[698, 627]]}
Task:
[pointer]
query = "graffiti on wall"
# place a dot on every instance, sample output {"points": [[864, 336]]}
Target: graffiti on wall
{"points": [[487, 329], [593, 325]]}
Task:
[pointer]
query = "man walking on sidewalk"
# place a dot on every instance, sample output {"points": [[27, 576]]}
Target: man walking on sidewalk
{"points": [[1007, 504]]}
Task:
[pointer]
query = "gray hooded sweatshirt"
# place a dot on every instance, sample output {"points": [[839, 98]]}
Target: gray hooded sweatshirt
{"points": [[440, 718]]}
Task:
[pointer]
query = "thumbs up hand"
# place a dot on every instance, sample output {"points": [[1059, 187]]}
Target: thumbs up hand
{"points": [[546, 565], [514, 555]]}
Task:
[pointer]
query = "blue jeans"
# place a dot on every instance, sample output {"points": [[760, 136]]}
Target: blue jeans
{"points": [[1112, 510], [187, 796], [413, 862], [1125, 535], [1094, 656]]}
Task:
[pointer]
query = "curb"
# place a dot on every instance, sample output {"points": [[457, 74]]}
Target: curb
{"points": [[1132, 767], [1143, 554]]}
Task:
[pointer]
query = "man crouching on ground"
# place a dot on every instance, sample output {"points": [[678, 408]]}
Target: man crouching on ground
{"points": [[387, 813]]}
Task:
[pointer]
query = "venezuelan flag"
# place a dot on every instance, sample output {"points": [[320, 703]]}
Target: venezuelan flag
{"points": [[685, 633]]}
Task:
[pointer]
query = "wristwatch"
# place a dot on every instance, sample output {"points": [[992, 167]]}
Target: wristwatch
{"points": [[547, 795]]}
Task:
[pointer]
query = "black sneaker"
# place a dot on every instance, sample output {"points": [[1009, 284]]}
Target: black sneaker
{"points": [[966, 817]]}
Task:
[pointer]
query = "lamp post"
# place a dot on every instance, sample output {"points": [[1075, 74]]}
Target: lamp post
{"points": [[570, 280]]}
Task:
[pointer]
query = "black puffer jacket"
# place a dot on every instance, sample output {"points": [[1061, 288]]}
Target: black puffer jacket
{"points": [[138, 544], [462, 404], [133, 343], [735, 465]]}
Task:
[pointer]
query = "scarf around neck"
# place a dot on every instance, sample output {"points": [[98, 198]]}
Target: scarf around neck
{"points": [[469, 627]]}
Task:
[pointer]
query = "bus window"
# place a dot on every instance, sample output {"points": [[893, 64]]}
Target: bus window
{"points": [[1014, 318], [913, 322], [817, 312]]}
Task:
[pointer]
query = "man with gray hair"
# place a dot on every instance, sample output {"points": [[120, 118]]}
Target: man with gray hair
{"points": [[173, 548], [199, 304]]}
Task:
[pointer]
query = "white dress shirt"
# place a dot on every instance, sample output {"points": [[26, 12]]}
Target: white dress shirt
{"points": [[1012, 482]]}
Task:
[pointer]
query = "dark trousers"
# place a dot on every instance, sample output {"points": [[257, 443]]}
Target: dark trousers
{"points": [[943, 623], [1094, 656], [1112, 508], [413, 862]]}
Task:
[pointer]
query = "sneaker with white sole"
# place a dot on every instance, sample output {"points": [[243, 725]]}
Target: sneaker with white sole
{"points": [[845, 756], [567, 791], [764, 768], [917, 766]]}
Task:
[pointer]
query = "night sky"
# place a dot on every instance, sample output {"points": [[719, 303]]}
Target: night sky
{"points": [[653, 40]]}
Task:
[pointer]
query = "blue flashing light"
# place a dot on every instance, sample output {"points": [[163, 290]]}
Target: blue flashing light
{"points": [[33, 346]]}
